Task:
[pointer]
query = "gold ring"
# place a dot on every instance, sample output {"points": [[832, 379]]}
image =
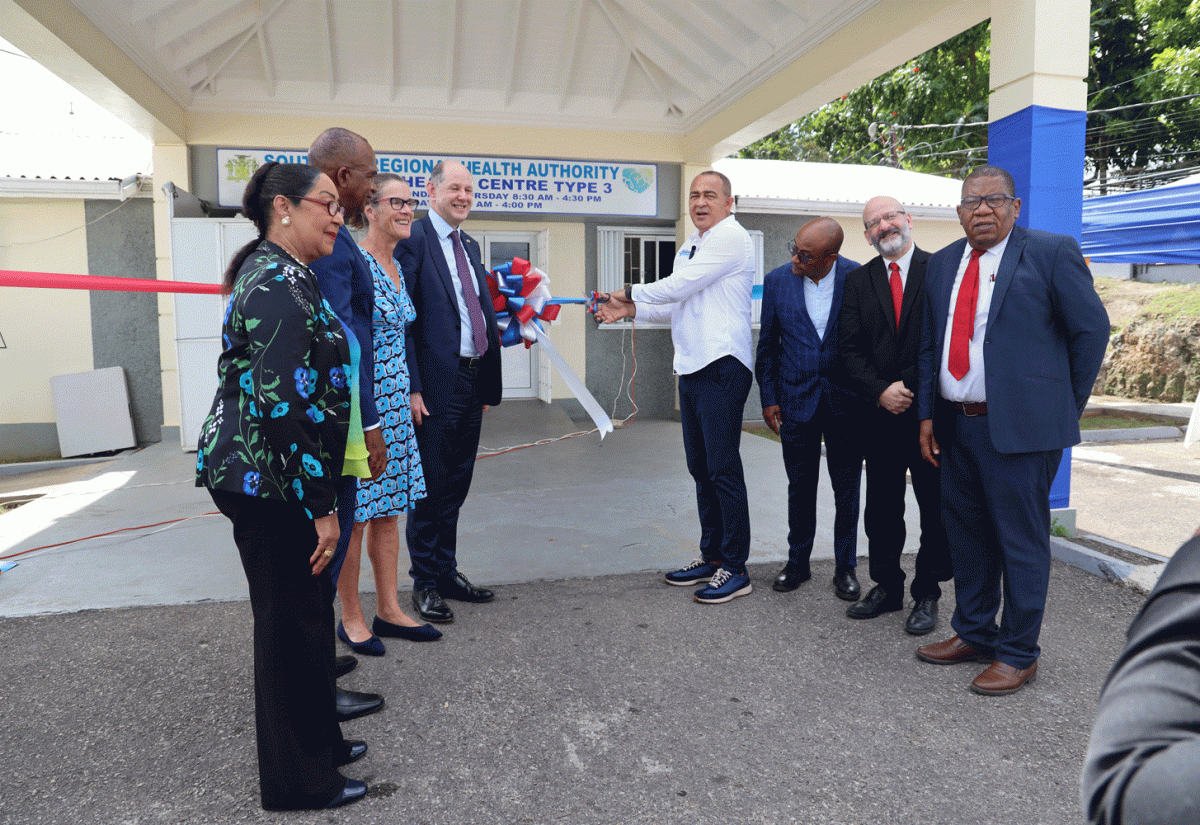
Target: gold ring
{"points": [[328, 554]]}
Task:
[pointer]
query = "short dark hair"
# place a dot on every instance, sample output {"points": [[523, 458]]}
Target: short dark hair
{"points": [[292, 180], [726, 185], [993, 172]]}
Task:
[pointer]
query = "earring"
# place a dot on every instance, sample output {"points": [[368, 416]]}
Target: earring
{"points": [[287, 220]]}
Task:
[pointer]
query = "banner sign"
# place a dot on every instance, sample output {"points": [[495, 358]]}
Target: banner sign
{"points": [[502, 185]]}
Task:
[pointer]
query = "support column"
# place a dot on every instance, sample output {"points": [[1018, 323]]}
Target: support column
{"points": [[170, 164], [1038, 115]]}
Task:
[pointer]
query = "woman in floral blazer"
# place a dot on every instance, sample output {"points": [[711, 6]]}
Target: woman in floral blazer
{"points": [[270, 454]]}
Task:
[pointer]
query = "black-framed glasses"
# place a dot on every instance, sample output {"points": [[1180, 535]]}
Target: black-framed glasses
{"points": [[889, 217], [399, 203], [804, 257], [335, 208], [994, 201]]}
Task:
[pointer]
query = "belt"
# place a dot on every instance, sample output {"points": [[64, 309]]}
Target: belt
{"points": [[970, 408], [469, 363]]}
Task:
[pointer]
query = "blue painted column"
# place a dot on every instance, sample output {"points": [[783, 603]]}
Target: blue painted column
{"points": [[1038, 122]]}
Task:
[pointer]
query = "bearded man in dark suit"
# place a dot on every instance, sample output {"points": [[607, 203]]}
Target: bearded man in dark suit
{"points": [[880, 328]]}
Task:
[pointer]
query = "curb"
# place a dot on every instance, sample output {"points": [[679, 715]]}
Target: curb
{"points": [[1140, 578], [1130, 434]]}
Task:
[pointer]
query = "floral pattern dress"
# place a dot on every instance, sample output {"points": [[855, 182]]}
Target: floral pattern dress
{"points": [[403, 481], [277, 427]]}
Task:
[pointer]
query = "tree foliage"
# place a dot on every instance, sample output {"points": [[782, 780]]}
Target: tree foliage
{"points": [[1142, 52]]}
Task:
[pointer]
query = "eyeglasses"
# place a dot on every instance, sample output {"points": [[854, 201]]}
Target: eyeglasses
{"points": [[335, 208], [399, 203], [889, 217], [995, 201], [804, 257]]}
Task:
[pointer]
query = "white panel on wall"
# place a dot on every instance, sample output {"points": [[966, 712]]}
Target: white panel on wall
{"points": [[92, 412]]}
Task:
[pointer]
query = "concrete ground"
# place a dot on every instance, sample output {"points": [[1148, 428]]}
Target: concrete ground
{"points": [[588, 692]]}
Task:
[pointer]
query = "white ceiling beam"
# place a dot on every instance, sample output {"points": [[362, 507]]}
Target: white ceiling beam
{"points": [[648, 51], [651, 20], [208, 40], [171, 27], [569, 54], [455, 36], [324, 28], [514, 55], [395, 53], [620, 80], [756, 20], [715, 31], [143, 10], [270, 80], [255, 31]]}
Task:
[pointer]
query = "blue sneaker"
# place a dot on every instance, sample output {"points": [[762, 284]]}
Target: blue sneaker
{"points": [[724, 587], [695, 573]]}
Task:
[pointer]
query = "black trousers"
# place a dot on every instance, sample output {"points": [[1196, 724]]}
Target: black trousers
{"points": [[448, 442], [894, 450], [294, 713]]}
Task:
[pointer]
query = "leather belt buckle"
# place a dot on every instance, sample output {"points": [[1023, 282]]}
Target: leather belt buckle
{"points": [[971, 409], [469, 363]]}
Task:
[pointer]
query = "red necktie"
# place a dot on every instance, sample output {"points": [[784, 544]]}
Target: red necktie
{"points": [[897, 290], [466, 278], [964, 319]]}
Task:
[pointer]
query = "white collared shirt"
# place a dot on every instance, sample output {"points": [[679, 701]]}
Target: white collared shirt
{"points": [[706, 297], [818, 299], [466, 341], [905, 264], [972, 387]]}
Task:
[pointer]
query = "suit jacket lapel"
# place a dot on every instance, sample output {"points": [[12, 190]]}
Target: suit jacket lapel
{"points": [[912, 285], [881, 283], [835, 306], [807, 327], [946, 287], [1007, 269], [439, 259]]}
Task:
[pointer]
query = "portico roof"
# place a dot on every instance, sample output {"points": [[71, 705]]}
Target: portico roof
{"points": [[693, 81]]}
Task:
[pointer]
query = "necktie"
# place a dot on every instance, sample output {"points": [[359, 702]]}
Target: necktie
{"points": [[897, 290], [964, 319], [466, 278]]}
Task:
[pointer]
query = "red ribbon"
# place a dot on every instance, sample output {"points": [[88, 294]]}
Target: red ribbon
{"points": [[57, 280]]}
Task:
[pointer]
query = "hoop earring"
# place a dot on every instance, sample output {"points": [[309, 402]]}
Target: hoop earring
{"points": [[287, 220]]}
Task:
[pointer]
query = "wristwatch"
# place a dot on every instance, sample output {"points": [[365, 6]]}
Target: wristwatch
{"points": [[629, 293]]}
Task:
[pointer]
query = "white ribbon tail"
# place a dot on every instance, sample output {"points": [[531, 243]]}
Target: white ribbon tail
{"points": [[603, 422]]}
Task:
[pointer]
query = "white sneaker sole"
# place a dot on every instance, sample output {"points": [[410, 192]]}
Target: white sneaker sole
{"points": [[745, 591], [692, 583]]}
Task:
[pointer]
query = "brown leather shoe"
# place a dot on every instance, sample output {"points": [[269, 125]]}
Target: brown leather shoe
{"points": [[953, 651], [1000, 679]]}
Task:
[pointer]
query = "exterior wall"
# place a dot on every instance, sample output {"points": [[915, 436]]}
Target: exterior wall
{"points": [[124, 325], [46, 332]]}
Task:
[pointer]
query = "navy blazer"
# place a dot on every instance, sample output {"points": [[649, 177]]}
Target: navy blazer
{"points": [[433, 339], [875, 351], [1046, 335], [793, 365], [344, 277]]}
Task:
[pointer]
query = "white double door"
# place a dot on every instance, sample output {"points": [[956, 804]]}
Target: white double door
{"points": [[526, 372]]}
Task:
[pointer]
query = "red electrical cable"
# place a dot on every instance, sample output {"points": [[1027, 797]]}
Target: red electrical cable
{"points": [[102, 535]]}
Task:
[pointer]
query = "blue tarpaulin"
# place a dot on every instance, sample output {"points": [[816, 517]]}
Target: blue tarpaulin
{"points": [[1157, 226]]}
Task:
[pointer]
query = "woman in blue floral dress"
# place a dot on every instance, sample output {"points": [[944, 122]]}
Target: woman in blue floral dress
{"points": [[381, 501], [270, 454]]}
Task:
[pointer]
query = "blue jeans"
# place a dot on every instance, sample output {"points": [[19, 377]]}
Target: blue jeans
{"points": [[711, 401]]}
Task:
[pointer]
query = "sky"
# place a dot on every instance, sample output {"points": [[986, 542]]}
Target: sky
{"points": [[50, 130]]}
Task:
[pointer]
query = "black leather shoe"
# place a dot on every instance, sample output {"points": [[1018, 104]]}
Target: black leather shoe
{"points": [[353, 792], [428, 603], [875, 603], [923, 618], [351, 750], [455, 586], [351, 704], [791, 577], [343, 665], [845, 584]]}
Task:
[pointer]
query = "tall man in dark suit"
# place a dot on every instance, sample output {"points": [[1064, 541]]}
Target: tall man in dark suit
{"points": [[345, 282], [453, 352], [805, 398], [880, 327], [1013, 340]]}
